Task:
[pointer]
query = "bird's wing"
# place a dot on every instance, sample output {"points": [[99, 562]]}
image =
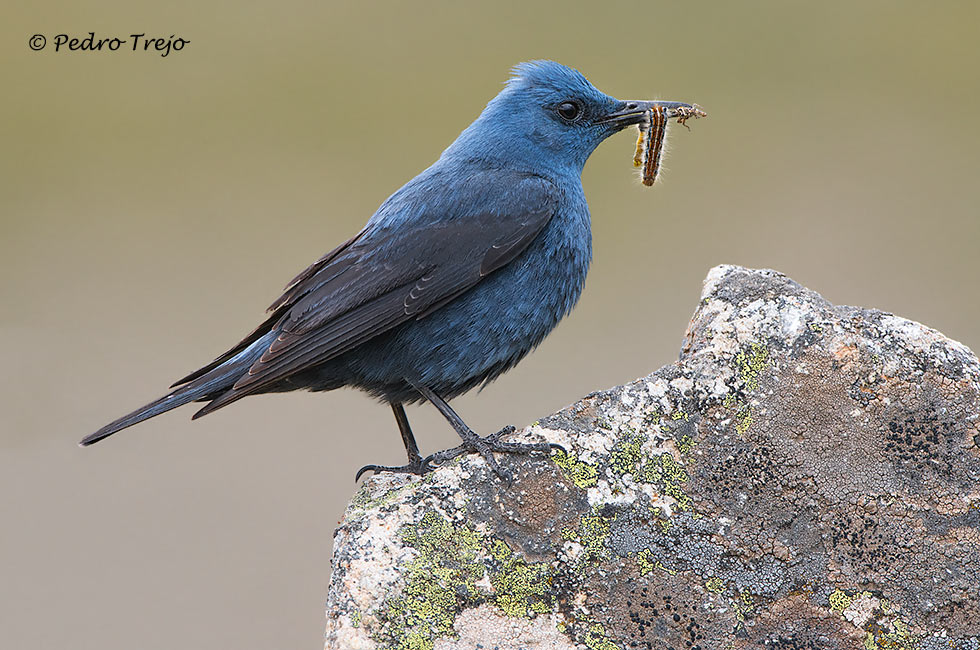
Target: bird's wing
{"points": [[383, 278]]}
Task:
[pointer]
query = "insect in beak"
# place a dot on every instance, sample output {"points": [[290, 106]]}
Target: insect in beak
{"points": [[653, 136]]}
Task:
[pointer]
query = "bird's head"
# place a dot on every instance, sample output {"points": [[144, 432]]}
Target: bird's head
{"points": [[549, 117]]}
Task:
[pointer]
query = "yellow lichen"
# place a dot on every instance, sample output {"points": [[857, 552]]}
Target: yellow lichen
{"points": [[751, 363], [660, 566], [743, 419], [627, 455], [686, 444], [742, 605], [596, 639], [519, 588], [440, 581], [645, 562], [839, 601], [666, 471], [594, 533], [869, 641], [883, 631], [578, 472]]}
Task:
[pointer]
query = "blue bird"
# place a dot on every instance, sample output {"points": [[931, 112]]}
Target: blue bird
{"points": [[456, 277]]}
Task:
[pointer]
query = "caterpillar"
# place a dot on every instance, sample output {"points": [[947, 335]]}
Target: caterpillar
{"points": [[653, 136]]}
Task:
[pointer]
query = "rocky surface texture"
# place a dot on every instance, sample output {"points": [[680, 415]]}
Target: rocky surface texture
{"points": [[805, 476]]}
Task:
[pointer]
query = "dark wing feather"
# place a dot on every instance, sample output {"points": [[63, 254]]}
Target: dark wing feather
{"points": [[378, 281], [298, 286]]}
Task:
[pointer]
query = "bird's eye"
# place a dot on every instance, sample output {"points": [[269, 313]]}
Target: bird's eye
{"points": [[569, 111]]}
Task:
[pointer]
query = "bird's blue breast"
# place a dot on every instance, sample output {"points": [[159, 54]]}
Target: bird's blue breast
{"points": [[493, 325]]}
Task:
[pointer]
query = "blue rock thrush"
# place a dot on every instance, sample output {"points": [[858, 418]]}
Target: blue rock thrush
{"points": [[456, 277]]}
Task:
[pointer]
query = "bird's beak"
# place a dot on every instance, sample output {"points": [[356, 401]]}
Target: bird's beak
{"points": [[635, 112]]}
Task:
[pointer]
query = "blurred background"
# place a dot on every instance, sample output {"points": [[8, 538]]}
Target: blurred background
{"points": [[151, 207]]}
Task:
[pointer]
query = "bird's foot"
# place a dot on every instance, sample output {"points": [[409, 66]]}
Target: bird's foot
{"points": [[420, 467], [486, 446]]}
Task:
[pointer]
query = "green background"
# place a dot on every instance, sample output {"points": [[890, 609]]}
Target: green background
{"points": [[150, 208]]}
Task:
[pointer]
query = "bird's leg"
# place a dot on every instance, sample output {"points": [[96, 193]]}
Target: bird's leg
{"points": [[472, 442], [415, 465], [408, 439]]}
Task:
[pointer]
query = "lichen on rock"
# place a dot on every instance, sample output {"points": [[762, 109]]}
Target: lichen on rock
{"points": [[805, 476]]}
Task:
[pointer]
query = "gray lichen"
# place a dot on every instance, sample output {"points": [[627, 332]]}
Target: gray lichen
{"points": [[805, 476]]}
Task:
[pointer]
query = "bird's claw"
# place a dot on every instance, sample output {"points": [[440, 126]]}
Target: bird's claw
{"points": [[419, 467], [486, 446], [556, 447]]}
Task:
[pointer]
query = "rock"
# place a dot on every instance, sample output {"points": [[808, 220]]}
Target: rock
{"points": [[805, 476]]}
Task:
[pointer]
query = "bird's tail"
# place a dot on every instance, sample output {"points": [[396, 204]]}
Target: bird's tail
{"points": [[207, 386]]}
